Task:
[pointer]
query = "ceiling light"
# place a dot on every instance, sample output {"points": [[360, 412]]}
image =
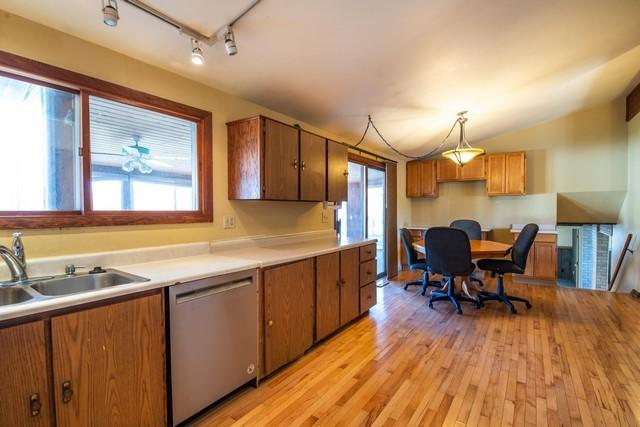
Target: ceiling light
{"points": [[230, 42], [196, 53], [110, 13], [464, 152]]}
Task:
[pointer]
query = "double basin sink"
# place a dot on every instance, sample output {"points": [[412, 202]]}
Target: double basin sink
{"points": [[38, 289]]}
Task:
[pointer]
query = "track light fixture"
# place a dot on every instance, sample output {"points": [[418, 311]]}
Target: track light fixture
{"points": [[230, 42], [196, 53], [110, 13]]}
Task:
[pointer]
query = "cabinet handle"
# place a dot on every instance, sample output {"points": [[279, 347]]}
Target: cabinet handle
{"points": [[338, 283], [35, 404], [270, 323], [346, 173], [295, 164], [304, 165], [67, 392]]}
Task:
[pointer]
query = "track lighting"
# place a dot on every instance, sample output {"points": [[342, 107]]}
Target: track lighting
{"points": [[110, 13], [196, 53], [230, 42]]}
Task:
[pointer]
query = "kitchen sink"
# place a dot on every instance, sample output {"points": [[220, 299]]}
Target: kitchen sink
{"points": [[83, 283], [11, 295]]}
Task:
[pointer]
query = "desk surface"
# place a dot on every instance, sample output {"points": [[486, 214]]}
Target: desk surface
{"points": [[479, 248]]}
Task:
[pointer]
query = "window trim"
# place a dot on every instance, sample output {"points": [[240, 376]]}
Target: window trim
{"points": [[85, 85]]}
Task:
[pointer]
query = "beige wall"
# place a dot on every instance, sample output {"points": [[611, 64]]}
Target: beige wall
{"points": [[582, 152], [629, 220], [44, 44]]}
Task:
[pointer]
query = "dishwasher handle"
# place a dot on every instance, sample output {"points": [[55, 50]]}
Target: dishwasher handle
{"points": [[209, 290]]}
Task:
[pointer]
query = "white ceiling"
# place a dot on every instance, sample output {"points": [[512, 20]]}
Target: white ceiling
{"points": [[412, 64]]}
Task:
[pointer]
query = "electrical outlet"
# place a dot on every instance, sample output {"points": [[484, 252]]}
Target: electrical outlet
{"points": [[229, 221], [325, 215]]}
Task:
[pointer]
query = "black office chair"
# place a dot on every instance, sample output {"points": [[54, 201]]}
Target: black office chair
{"points": [[515, 265], [449, 255], [474, 232], [415, 263]]}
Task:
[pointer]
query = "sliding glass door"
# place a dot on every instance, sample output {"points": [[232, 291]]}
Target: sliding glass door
{"points": [[363, 214]]}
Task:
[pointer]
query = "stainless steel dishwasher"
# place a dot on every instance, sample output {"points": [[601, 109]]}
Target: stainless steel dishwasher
{"points": [[213, 338]]}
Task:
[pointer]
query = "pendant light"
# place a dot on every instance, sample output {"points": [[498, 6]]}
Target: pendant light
{"points": [[464, 152]]}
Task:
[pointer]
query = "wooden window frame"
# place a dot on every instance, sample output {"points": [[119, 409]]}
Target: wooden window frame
{"points": [[87, 86]]}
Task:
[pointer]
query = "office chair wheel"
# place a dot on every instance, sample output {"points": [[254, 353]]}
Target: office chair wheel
{"points": [[513, 310], [459, 311], [529, 305], [406, 286], [431, 305]]}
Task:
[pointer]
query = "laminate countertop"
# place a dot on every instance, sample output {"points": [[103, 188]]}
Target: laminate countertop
{"points": [[220, 258]]}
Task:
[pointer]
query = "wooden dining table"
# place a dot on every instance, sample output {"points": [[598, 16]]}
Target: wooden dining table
{"points": [[479, 248]]}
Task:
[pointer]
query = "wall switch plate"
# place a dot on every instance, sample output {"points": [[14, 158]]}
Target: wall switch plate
{"points": [[229, 221], [325, 215]]}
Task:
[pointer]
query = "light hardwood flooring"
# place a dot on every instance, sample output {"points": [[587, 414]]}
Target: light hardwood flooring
{"points": [[572, 360]]}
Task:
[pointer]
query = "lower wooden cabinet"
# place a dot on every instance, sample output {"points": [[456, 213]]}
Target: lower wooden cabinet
{"points": [[350, 285], [288, 312], [24, 381], [542, 259], [368, 297], [108, 365], [108, 368]]}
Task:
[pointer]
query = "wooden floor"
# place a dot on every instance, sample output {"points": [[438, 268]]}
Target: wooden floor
{"points": [[572, 360]]}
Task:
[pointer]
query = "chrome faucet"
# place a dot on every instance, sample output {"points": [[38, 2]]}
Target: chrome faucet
{"points": [[15, 259]]}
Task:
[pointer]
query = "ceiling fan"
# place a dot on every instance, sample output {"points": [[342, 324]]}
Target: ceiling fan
{"points": [[136, 156]]}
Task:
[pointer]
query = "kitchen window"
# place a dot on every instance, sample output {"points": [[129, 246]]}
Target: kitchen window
{"points": [[82, 151]]}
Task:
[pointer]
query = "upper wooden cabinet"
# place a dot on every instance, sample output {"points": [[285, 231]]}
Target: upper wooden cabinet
{"points": [[446, 170], [421, 179], [506, 174], [475, 170], [270, 160], [24, 395], [313, 169], [337, 171]]}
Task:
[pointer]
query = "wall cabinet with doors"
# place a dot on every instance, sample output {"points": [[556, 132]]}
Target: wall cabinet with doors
{"points": [[505, 174], [542, 259], [270, 160], [108, 367]]}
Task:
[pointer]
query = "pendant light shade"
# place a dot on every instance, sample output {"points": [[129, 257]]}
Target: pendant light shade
{"points": [[464, 152]]}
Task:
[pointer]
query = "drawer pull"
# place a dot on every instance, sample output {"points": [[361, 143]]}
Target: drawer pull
{"points": [[338, 283], [67, 392], [304, 166], [35, 405], [270, 323], [295, 164]]}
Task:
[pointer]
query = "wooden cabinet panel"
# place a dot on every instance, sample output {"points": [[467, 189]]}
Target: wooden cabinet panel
{"points": [[368, 272], [496, 174], [474, 170], [428, 181], [313, 164], [327, 294], [350, 289], [446, 170], [544, 260], [529, 270], [368, 297], [515, 170], [289, 312], [244, 154], [111, 361], [280, 161], [367, 252], [337, 171], [414, 179], [24, 376]]}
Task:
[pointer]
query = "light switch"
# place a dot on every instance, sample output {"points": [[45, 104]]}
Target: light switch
{"points": [[229, 221]]}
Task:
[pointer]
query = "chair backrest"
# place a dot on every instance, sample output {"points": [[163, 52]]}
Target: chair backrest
{"points": [[469, 226], [449, 251], [407, 242], [521, 247]]}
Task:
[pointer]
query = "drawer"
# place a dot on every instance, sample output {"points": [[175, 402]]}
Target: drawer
{"points": [[368, 272], [368, 297], [367, 252]]}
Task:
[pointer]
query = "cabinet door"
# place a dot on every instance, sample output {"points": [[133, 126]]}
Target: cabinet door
{"points": [[531, 262], [368, 297], [428, 182], [446, 170], [289, 312], [544, 260], [496, 178], [24, 390], [515, 166], [108, 365], [337, 172], [474, 170], [350, 289], [414, 171], [327, 294], [280, 161], [313, 169]]}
